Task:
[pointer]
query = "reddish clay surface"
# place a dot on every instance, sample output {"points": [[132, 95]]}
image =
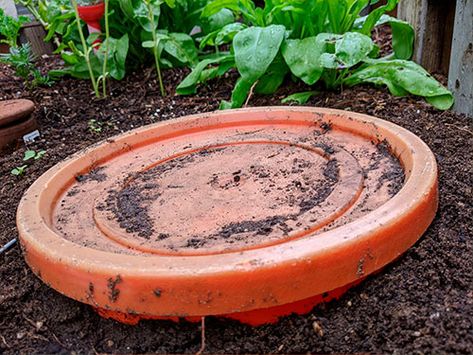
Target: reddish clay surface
{"points": [[196, 216]]}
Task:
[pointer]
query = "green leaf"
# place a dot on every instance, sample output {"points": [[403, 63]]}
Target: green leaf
{"points": [[303, 58], [402, 77], [189, 84], [350, 49], [336, 12], [375, 15], [215, 6], [19, 170], [255, 49], [223, 35], [181, 47], [29, 154], [402, 33], [240, 92], [273, 78], [127, 7], [40, 154], [300, 97], [218, 20], [403, 36], [116, 56], [214, 72], [227, 33], [119, 57], [141, 14]]}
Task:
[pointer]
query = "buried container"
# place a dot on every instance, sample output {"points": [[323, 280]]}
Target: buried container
{"points": [[16, 120], [248, 214]]}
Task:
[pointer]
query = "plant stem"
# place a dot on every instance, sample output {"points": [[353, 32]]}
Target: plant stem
{"points": [[85, 49], [104, 69], [155, 48]]}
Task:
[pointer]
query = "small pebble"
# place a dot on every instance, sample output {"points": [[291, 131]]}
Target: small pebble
{"points": [[318, 328]]}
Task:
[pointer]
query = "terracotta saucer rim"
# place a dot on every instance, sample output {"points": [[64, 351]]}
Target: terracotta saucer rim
{"points": [[419, 190]]}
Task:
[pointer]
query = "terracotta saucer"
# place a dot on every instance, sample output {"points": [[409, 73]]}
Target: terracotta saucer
{"points": [[247, 214]]}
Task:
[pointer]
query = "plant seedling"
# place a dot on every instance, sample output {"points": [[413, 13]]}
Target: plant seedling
{"points": [[96, 126], [19, 170], [22, 60], [31, 154]]}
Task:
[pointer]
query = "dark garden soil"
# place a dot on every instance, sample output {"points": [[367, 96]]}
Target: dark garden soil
{"points": [[422, 303]]}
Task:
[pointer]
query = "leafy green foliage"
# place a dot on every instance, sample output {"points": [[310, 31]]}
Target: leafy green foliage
{"points": [[32, 154], [300, 97], [22, 60], [200, 74], [319, 42], [316, 41], [299, 54], [136, 37], [402, 77], [19, 170], [28, 156], [10, 28]]}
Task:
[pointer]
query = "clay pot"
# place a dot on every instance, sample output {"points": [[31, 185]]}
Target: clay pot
{"points": [[15, 120], [195, 183]]}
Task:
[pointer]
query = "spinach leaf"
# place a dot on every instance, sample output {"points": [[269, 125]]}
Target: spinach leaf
{"points": [[181, 47], [403, 77], [300, 97], [255, 49], [223, 35], [239, 94], [189, 84], [350, 49], [375, 15], [274, 76], [303, 58], [117, 52], [402, 33]]}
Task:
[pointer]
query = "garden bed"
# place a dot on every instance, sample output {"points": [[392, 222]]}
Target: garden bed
{"points": [[423, 302]]}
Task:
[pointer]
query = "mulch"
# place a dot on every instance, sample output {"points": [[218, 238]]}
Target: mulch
{"points": [[422, 303]]}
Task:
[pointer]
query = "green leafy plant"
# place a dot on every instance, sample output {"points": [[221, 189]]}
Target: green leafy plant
{"points": [[31, 154], [22, 60], [28, 156], [136, 33], [58, 19], [10, 28], [153, 9], [314, 41], [19, 170], [86, 50], [96, 126]]}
